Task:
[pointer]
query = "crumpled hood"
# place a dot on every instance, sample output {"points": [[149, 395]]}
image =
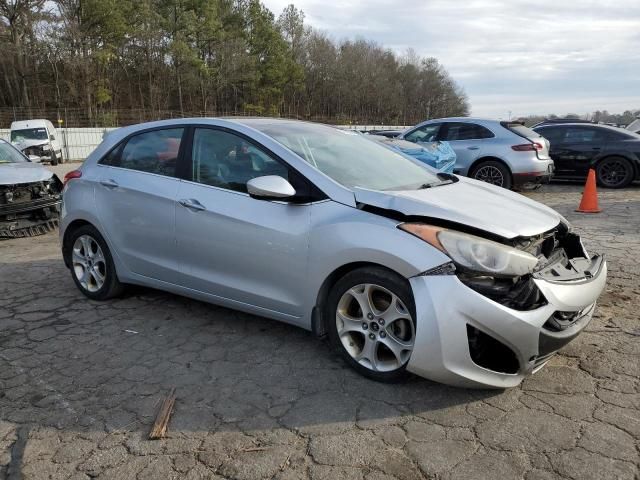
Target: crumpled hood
{"points": [[25, 143], [27, 172], [472, 203]]}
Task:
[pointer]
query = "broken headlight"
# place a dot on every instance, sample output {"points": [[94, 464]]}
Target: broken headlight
{"points": [[475, 253]]}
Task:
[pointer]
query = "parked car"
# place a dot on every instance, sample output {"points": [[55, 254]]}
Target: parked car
{"points": [[38, 140], [384, 133], [634, 126], [556, 121], [438, 155], [506, 154], [614, 153], [405, 269], [30, 195]]}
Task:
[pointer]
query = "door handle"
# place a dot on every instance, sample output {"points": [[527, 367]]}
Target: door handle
{"points": [[191, 204], [109, 183], [473, 148]]}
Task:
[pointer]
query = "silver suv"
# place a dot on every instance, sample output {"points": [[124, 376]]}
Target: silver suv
{"points": [[506, 154]]}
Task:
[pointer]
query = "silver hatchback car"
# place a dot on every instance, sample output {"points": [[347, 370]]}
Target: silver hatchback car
{"points": [[506, 154], [404, 268]]}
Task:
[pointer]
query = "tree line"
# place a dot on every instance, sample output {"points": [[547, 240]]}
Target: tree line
{"points": [[599, 116], [102, 58]]}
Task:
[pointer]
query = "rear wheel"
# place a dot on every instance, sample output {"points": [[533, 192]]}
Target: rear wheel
{"points": [[614, 172], [92, 267], [370, 317], [493, 172]]}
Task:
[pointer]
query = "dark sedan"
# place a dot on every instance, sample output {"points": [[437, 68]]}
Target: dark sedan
{"points": [[575, 148]]}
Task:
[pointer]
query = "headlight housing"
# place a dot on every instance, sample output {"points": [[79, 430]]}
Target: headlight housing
{"points": [[475, 253], [46, 147]]}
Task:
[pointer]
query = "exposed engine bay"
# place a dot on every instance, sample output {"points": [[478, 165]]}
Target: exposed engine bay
{"points": [[29, 209]]}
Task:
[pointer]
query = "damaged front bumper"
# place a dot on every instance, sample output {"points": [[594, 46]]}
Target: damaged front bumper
{"points": [[29, 207], [465, 338]]}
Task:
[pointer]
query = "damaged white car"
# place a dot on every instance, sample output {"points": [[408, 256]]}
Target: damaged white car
{"points": [[30, 195], [404, 268]]}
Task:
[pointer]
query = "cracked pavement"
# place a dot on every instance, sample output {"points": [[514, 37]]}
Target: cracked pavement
{"points": [[79, 389]]}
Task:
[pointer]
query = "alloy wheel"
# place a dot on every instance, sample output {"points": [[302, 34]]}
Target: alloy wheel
{"points": [[375, 327], [89, 264], [613, 173], [490, 174]]}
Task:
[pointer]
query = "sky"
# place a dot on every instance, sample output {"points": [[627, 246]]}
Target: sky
{"points": [[518, 57]]}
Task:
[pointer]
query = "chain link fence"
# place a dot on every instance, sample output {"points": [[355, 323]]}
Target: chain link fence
{"points": [[80, 134]]}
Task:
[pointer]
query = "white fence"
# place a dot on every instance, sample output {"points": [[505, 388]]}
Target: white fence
{"points": [[78, 143]]}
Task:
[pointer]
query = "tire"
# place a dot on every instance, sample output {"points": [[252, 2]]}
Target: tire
{"points": [[364, 335], [85, 245], [493, 172], [614, 172], [60, 157], [54, 158]]}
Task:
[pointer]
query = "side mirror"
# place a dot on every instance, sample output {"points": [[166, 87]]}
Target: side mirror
{"points": [[270, 187]]}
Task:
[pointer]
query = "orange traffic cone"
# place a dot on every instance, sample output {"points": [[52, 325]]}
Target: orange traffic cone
{"points": [[589, 203]]}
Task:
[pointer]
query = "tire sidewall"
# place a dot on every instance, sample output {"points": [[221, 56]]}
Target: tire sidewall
{"points": [[506, 173], [628, 170], [111, 285], [385, 278]]}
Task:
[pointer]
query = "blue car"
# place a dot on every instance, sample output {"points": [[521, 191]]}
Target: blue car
{"points": [[438, 155]]}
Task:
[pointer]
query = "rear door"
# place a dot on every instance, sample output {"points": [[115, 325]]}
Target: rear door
{"points": [[467, 140], [136, 200], [574, 147], [235, 246]]}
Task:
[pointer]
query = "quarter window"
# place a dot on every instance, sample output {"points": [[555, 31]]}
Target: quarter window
{"points": [[225, 160], [152, 152], [426, 133], [466, 131]]}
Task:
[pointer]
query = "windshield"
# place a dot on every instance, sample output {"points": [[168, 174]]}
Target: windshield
{"points": [[8, 154], [349, 158], [29, 134]]}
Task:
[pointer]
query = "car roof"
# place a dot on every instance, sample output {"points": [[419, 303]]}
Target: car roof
{"points": [[38, 122]]}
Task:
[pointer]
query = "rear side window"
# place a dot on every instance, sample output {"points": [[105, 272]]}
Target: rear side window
{"points": [[584, 135], [152, 152], [553, 134], [466, 131]]}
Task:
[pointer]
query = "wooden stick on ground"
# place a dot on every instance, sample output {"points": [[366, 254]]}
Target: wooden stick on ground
{"points": [[159, 429]]}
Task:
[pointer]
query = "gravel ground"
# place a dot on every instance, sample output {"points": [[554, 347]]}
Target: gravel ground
{"points": [[81, 381]]}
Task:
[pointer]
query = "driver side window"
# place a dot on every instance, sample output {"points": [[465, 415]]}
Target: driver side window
{"points": [[222, 159], [426, 133]]}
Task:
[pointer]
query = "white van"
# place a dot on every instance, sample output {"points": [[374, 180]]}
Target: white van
{"points": [[38, 140]]}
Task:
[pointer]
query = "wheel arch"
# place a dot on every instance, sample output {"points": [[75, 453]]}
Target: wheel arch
{"points": [[488, 158], [72, 227], [318, 320], [634, 160]]}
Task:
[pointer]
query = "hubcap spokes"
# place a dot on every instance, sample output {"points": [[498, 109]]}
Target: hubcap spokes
{"points": [[490, 175], [375, 327], [89, 265]]}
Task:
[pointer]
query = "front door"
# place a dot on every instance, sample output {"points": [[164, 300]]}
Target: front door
{"points": [[232, 245]]}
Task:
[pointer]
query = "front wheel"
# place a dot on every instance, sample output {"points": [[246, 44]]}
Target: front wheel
{"points": [[370, 316], [54, 158], [92, 267], [614, 172], [493, 172]]}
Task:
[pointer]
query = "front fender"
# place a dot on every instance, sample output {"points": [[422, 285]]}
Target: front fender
{"points": [[341, 235]]}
